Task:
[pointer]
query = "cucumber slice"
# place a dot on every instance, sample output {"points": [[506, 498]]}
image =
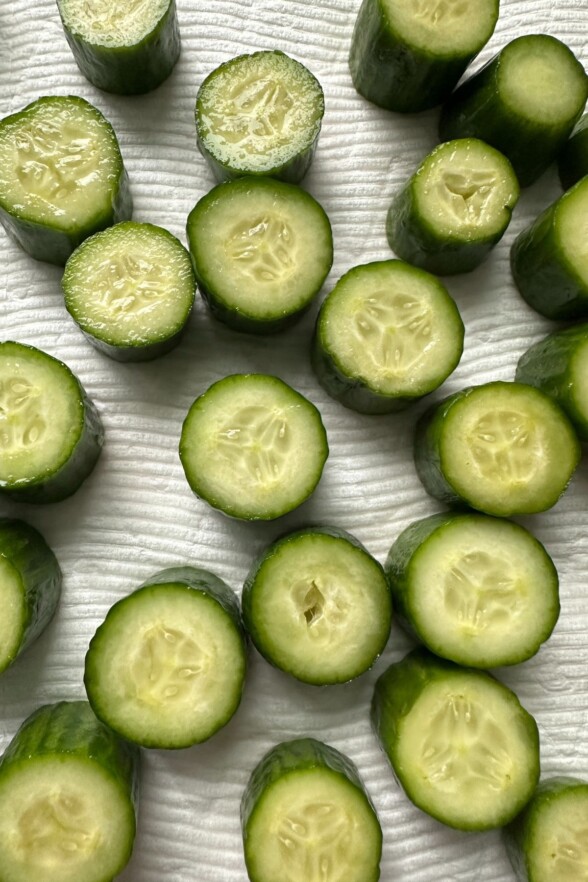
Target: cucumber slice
{"points": [[62, 176], [460, 743], [253, 447], [259, 114], [386, 335], [407, 56], [167, 666], [67, 799], [572, 162], [525, 102], [548, 842], [50, 431], [503, 448], [317, 606], [306, 817], [130, 289], [476, 590], [123, 46], [261, 251], [454, 209], [549, 259]]}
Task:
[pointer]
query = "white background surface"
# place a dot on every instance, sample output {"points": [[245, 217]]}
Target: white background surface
{"points": [[136, 514]]}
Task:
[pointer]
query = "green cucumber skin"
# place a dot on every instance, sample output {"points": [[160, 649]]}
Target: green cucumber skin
{"points": [[572, 162], [238, 321], [135, 354], [291, 172], [427, 455]]}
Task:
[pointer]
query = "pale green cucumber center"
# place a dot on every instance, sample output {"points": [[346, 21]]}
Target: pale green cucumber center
{"points": [[13, 619], [443, 27], [571, 227], [559, 851], [579, 372], [112, 22]]}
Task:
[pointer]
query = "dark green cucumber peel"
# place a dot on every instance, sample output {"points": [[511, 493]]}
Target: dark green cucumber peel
{"points": [[572, 162]]}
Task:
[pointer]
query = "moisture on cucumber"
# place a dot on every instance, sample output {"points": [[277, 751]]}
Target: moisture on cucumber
{"points": [[259, 114], [306, 817], [479, 591], [166, 668], [68, 788], [261, 250], [525, 102], [123, 46], [572, 161], [253, 447], [502, 448], [62, 176], [407, 56], [387, 334], [317, 606], [461, 745], [50, 431], [130, 289], [454, 209]]}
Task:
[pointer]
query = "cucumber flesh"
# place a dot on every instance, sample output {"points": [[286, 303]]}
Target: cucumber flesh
{"points": [[446, 28], [14, 612], [571, 232], [116, 23]]}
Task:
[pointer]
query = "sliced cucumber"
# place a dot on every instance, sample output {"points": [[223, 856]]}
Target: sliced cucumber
{"points": [[259, 114], [167, 666], [130, 289], [261, 251], [407, 56], [386, 335], [476, 590], [317, 606], [123, 46], [253, 447], [503, 448], [50, 431], [572, 162], [460, 743], [62, 176], [306, 817], [454, 209], [68, 787], [549, 259], [525, 102]]}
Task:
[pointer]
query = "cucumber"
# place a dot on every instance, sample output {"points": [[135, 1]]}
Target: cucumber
{"points": [[68, 787], [454, 209], [261, 250], [123, 46], [259, 114], [130, 289], [478, 591], [386, 335], [548, 841], [167, 666], [461, 745], [525, 102], [572, 162], [317, 606], [30, 586], [502, 448], [549, 260], [50, 432], [253, 447], [62, 176], [407, 56], [306, 817]]}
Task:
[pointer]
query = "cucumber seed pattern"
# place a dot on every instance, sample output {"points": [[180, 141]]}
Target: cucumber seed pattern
{"points": [[22, 422], [254, 111], [53, 160], [480, 592], [56, 829], [505, 445], [165, 664], [321, 610], [392, 332], [263, 250], [465, 199], [316, 843], [113, 22], [569, 854], [256, 444], [129, 285], [442, 13]]}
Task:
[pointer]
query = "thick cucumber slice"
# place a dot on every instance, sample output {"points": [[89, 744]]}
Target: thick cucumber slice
{"points": [[30, 586], [407, 56], [261, 251], [525, 102], [253, 447], [167, 666], [259, 114], [461, 745], [503, 448], [386, 335], [549, 259], [130, 289], [62, 176], [317, 606], [67, 799], [123, 46], [50, 432], [572, 162], [306, 817], [454, 209], [476, 590]]}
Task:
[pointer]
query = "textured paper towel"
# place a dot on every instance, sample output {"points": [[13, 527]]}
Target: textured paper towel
{"points": [[136, 514]]}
